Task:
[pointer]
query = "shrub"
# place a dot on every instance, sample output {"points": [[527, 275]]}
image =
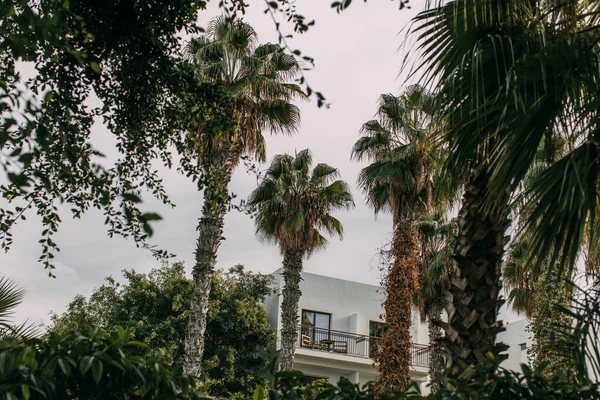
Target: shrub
{"points": [[94, 366]]}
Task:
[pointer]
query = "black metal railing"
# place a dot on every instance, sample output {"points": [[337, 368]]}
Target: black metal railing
{"points": [[329, 340]]}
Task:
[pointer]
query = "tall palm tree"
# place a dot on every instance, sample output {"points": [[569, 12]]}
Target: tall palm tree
{"points": [[294, 206], [436, 239], [507, 72], [255, 81], [400, 179]]}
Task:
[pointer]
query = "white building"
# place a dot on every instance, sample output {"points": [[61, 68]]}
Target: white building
{"points": [[340, 322], [518, 338]]}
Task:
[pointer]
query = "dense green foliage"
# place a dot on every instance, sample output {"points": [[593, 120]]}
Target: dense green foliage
{"points": [[97, 365], [154, 307], [116, 65]]}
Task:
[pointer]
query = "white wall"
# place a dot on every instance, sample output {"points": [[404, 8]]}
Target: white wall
{"points": [[351, 304], [516, 334]]}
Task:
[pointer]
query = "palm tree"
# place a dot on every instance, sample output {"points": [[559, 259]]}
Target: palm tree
{"points": [[254, 80], [400, 179], [508, 71], [294, 208], [436, 238]]}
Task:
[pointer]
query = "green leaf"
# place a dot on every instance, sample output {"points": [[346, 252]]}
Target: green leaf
{"points": [[97, 369], [18, 179], [150, 217], [86, 364], [136, 343], [25, 391], [65, 367], [259, 393], [95, 67], [131, 197]]}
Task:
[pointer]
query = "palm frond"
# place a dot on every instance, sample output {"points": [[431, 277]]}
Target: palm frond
{"points": [[11, 296], [294, 203]]}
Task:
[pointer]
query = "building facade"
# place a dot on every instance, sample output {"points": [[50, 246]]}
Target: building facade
{"points": [[340, 322]]}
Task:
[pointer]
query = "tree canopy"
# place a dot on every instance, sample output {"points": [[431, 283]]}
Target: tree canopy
{"points": [[155, 308]]}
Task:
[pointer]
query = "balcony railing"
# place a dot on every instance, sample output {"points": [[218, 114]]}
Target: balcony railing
{"points": [[329, 340]]}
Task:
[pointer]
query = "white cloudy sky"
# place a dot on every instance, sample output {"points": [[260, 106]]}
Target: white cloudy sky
{"points": [[357, 58]]}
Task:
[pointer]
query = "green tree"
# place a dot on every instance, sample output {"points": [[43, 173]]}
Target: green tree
{"points": [[400, 179], [256, 81], [294, 206], [82, 49], [155, 307], [508, 72], [436, 239]]}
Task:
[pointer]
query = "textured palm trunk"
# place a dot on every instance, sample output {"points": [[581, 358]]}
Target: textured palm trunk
{"points": [[436, 360], [210, 236], [473, 298], [393, 357], [292, 267]]}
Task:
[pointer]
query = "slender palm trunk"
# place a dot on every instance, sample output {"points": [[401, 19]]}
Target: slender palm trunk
{"points": [[292, 267], [210, 236], [473, 299], [394, 356], [436, 360]]}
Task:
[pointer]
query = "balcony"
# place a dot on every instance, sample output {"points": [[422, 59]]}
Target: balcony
{"points": [[352, 344]]}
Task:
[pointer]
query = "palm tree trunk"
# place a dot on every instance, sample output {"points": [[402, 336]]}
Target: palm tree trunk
{"points": [[473, 298], [393, 355], [210, 236], [292, 267], [436, 360]]}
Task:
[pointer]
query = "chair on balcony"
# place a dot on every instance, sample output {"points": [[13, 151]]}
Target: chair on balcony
{"points": [[308, 342], [340, 347]]}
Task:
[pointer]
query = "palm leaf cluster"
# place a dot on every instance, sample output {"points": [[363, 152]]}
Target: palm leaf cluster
{"points": [[258, 79], [11, 296], [294, 204], [511, 73], [398, 145]]}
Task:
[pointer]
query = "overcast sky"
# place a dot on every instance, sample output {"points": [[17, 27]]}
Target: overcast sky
{"points": [[358, 57]]}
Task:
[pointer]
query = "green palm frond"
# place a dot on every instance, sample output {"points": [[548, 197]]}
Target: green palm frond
{"points": [[403, 150], [323, 174], [11, 296], [513, 76], [294, 204], [258, 79]]}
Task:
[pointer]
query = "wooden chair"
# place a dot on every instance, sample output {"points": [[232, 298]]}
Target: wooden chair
{"points": [[340, 347], [306, 341]]}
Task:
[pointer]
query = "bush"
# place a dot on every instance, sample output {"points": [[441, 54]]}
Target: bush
{"points": [[530, 384], [94, 366]]}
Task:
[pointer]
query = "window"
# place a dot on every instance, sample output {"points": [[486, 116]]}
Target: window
{"points": [[315, 324], [376, 329], [523, 346]]}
